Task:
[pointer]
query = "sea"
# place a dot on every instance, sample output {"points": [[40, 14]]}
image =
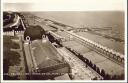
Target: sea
{"points": [[91, 19]]}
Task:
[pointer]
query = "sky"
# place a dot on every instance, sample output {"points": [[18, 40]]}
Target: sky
{"points": [[63, 5]]}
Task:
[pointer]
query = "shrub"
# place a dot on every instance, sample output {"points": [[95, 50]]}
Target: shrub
{"points": [[9, 43]]}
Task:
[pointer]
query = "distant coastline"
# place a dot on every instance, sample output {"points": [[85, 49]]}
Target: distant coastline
{"points": [[90, 19]]}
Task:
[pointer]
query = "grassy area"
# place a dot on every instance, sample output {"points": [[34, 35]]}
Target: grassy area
{"points": [[9, 43], [10, 58]]}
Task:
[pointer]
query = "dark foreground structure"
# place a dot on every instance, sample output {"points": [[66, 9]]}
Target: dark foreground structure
{"points": [[49, 63], [43, 60]]}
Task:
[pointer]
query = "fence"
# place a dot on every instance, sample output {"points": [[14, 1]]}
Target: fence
{"points": [[13, 33]]}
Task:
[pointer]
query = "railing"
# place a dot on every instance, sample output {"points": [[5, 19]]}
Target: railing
{"points": [[101, 48], [12, 33]]}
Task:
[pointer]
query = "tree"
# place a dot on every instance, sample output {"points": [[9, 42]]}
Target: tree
{"points": [[8, 18], [103, 72], [114, 77], [98, 70], [58, 41], [87, 61], [121, 77], [90, 64], [94, 67], [107, 77], [51, 38], [94, 78]]}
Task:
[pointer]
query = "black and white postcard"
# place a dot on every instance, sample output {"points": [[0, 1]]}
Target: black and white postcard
{"points": [[63, 41]]}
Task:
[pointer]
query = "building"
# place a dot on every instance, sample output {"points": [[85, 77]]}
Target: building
{"points": [[34, 32]]}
